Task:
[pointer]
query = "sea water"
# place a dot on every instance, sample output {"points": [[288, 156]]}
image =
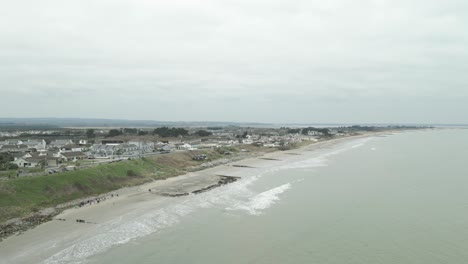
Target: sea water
{"points": [[399, 198]]}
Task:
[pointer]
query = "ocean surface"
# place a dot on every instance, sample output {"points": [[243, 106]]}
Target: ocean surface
{"points": [[400, 198]]}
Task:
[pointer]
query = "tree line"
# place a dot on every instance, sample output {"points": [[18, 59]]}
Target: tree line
{"points": [[160, 131]]}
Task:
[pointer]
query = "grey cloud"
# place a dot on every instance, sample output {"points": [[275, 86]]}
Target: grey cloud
{"points": [[271, 61]]}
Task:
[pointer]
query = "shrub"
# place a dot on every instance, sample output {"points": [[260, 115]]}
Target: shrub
{"points": [[132, 173]]}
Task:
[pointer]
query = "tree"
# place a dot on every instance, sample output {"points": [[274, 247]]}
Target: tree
{"points": [[130, 131], [12, 166], [294, 131], [5, 161], [203, 133], [114, 133], [143, 132], [90, 133], [43, 163], [170, 132]]}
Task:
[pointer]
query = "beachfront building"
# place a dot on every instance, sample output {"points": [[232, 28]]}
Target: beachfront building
{"points": [[102, 151], [112, 149], [165, 148], [31, 160], [184, 146], [73, 156], [73, 148]]}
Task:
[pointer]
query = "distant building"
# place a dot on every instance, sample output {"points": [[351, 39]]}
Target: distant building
{"points": [[13, 148], [35, 144], [60, 143], [111, 142], [72, 148], [9, 142], [143, 147]]}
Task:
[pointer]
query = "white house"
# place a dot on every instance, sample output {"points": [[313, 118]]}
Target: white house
{"points": [[184, 146], [34, 159], [247, 141], [25, 163]]}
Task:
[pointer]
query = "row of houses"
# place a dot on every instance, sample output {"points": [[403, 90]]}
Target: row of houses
{"points": [[14, 146], [47, 159], [112, 148], [22, 146], [37, 153]]}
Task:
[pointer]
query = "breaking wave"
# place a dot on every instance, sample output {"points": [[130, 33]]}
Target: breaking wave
{"points": [[261, 201], [118, 231]]}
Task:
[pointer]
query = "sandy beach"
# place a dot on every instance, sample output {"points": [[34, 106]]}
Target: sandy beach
{"points": [[39, 244]]}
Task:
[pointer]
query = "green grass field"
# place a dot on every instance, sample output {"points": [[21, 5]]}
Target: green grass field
{"points": [[24, 195]]}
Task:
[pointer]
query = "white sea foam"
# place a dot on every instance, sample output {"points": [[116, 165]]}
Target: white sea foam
{"points": [[120, 231], [320, 161], [261, 201], [321, 158], [115, 234]]}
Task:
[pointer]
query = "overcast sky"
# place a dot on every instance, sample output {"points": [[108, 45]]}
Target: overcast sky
{"points": [[398, 61]]}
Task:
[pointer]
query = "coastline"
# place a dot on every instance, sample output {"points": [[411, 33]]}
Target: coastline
{"points": [[36, 243]]}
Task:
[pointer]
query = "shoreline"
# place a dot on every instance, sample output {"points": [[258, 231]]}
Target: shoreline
{"points": [[122, 201]]}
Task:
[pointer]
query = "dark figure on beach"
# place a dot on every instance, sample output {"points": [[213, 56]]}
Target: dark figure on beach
{"points": [[149, 190]]}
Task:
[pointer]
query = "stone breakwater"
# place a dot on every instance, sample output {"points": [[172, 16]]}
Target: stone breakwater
{"points": [[223, 180], [20, 225]]}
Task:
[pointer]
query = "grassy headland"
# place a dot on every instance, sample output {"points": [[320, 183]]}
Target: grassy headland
{"points": [[20, 197]]}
